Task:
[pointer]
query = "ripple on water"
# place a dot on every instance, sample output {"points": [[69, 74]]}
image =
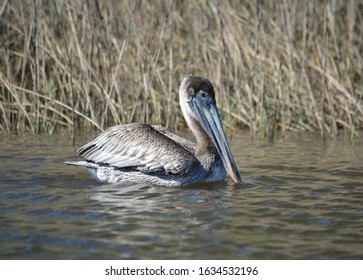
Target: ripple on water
{"points": [[298, 200]]}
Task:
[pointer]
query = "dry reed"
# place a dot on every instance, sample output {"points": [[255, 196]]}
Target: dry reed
{"points": [[276, 65]]}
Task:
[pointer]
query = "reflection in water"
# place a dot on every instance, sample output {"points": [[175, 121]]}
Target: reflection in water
{"points": [[300, 199]]}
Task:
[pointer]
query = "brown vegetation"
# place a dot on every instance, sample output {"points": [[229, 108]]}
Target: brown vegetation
{"points": [[276, 65]]}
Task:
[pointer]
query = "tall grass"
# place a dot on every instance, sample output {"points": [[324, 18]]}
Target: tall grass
{"points": [[276, 65]]}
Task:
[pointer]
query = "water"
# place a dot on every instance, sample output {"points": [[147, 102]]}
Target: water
{"points": [[300, 199]]}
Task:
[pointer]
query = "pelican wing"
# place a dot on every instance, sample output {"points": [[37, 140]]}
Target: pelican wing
{"points": [[140, 146], [185, 143]]}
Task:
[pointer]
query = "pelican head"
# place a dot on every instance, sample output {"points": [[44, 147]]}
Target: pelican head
{"points": [[198, 104]]}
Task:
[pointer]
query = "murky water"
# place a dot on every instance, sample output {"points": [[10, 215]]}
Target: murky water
{"points": [[300, 199]]}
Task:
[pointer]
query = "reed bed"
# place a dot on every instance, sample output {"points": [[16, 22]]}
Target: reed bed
{"points": [[276, 65]]}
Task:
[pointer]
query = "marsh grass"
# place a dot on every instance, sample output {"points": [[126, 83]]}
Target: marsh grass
{"points": [[276, 65]]}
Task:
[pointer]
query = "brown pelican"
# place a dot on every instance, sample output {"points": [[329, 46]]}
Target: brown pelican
{"points": [[152, 154]]}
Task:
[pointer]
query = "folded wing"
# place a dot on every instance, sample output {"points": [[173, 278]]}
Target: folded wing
{"points": [[144, 147]]}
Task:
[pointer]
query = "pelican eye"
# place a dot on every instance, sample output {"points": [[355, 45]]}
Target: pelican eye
{"points": [[203, 94], [190, 91]]}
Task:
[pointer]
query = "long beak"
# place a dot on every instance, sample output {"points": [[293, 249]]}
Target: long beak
{"points": [[207, 115]]}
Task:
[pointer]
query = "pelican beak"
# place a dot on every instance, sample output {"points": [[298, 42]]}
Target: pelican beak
{"points": [[205, 110]]}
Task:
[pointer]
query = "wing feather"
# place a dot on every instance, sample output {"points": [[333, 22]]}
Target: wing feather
{"points": [[185, 143], [149, 148]]}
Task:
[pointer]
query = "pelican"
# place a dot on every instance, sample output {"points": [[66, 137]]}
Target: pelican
{"points": [[152, 154]]}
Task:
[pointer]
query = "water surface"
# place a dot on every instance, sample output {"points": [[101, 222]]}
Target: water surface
{"points": [[300, 199]]}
